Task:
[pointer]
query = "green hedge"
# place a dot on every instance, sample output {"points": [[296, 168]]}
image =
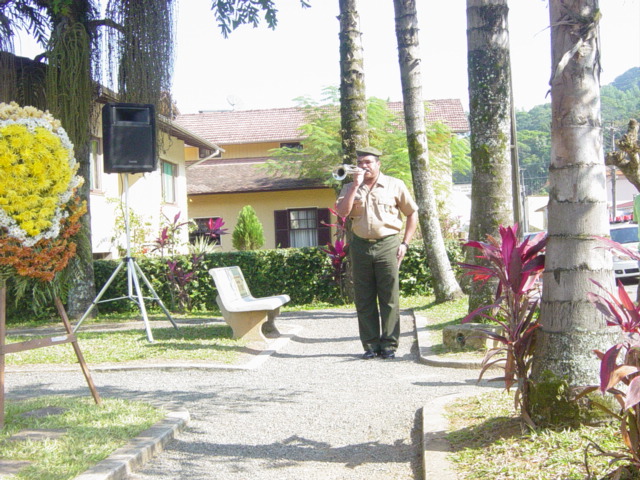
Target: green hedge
{"points": [[304, 274]]}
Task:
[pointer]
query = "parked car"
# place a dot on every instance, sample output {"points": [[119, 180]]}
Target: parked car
{"points": [[625, 234]]}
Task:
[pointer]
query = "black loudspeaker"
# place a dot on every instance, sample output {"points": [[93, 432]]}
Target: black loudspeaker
{"points": [[129, 138]]}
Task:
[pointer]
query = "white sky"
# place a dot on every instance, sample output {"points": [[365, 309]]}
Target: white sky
{"points": [[261, 68]]}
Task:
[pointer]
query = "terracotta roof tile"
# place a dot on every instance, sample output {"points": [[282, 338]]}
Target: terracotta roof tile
{"points": [[241, 176], [226, 127], [449, 111]]}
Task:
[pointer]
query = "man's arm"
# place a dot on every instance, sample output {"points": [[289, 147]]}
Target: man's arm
{"points": [[410, 229], [345, 204]]}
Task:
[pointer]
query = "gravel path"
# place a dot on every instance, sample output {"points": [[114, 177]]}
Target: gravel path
{"points": [[313, 410]]}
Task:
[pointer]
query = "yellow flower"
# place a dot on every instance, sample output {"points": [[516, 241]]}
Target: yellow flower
{"points": [[37, 171]]}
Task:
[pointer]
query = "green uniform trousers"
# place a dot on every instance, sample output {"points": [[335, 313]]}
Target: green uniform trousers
{"points": [[377, 291]]}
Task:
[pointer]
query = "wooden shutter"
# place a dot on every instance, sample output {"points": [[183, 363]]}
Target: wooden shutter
{"points": [[281, 220], [324, 231]]}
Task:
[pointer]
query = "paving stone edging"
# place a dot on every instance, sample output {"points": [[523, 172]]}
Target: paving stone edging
{"points": [[141, 449], [426, 351]]}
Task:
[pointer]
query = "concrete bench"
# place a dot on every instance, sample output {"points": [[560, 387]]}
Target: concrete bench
{"points": [[245, 314]]}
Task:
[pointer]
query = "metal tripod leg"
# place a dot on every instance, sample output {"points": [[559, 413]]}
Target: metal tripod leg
{"points": [[133, 270], [99, 296], [143, 311], [155, 295], [133, 284]]}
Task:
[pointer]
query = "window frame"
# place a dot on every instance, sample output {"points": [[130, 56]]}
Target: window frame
{"points": [[96, 169], [282, 223], [173, 183]]}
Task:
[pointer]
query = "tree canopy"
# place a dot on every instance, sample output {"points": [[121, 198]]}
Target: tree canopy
{"points": [[620, 101], [323, 150]]}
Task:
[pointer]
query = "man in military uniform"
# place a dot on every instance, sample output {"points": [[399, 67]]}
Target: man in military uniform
{"points": [[374, 203]]}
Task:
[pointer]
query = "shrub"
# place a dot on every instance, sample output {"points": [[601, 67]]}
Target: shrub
{"points": [[248, 234], [305, 274], [620, 312]]}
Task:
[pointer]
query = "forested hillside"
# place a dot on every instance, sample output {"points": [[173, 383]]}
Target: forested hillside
{"points": [[620, 102]]}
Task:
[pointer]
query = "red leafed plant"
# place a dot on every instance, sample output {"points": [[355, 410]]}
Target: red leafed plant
{"points": [[337, 254], [621, 379], [516, 266], [337, 251]]}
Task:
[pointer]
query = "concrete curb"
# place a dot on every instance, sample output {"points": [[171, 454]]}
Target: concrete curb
{"points": [[139, 450], [426, 351], [435, 446]]}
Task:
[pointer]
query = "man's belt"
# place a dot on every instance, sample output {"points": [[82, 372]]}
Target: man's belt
{"points": [[374, 240]]}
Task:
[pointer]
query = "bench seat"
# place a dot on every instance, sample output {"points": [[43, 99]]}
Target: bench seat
{"points": [[244, 313]]}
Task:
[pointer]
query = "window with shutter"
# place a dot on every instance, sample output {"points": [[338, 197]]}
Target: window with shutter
{"points": [[302, 227]]}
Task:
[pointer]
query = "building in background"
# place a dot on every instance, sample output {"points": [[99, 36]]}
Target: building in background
{"points": [[293, 211]]}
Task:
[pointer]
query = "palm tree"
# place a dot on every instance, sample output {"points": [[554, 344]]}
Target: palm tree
{"points": [[489, 70], [445, 284], [571, 327], [353, 99]]}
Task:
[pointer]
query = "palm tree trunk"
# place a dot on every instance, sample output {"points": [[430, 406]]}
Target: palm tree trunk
{"points": [[489, 67], [577, 210], [353, 98], [445, 284]]}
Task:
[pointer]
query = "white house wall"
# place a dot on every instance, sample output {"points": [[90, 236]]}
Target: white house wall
{"points": [[144, 199]]}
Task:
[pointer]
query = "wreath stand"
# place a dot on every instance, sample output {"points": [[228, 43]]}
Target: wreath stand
{"points": [[70, 337], [134, 274]]}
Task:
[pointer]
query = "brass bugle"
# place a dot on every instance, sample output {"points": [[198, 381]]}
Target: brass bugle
{"points": [[342, 171]]}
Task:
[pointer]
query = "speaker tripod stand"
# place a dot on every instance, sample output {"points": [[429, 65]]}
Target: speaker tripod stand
{"points": [[134, 275]]}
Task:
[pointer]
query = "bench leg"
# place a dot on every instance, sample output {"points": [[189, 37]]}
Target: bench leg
{"points": [[245, 325], [269, 328]]}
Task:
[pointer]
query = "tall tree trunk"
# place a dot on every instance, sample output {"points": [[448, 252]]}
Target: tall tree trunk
{"points": [[489, 70], [577, 210], [445, 285], [82, 291], [70, 97], [353, 98]]}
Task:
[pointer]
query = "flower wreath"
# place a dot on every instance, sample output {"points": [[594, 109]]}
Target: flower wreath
{"points": [[39, 209]]}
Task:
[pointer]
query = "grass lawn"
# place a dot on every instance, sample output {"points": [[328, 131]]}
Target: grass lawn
{"points": [[90, 433], [489, 441], [206, 342]]}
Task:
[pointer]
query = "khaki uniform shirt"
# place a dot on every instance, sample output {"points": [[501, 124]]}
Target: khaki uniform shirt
{"points": [[376, 212]]}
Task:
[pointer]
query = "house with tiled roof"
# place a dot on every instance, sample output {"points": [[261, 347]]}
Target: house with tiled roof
{"points": [[293, 211]]}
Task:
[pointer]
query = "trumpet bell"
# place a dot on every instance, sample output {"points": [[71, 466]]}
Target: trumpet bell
{"points": [[342, 171]]}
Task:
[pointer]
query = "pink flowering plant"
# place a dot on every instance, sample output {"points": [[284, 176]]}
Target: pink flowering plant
{"points": [[181, 273], [517, 267], [169, 235], [620, 368], [337, 251], [180, 276], [215, 230]]}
